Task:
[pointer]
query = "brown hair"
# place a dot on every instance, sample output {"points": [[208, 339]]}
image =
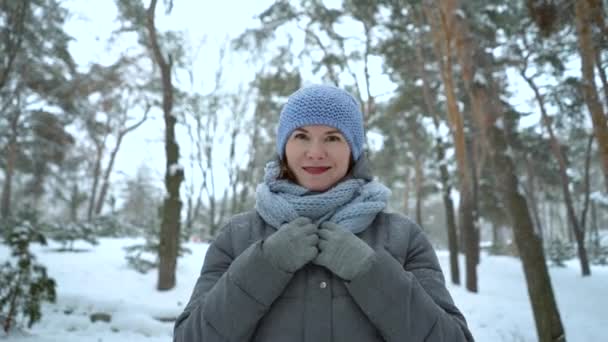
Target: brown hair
{"points": [[285, 172]]}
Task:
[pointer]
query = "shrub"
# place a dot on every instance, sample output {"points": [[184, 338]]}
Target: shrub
{"points": [[24, 283]]}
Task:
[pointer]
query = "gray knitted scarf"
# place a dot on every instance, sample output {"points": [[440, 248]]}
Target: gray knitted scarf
{"points": [[353, 203]]}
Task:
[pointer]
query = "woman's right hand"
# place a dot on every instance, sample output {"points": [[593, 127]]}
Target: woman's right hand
{"points": [[293, 245]]}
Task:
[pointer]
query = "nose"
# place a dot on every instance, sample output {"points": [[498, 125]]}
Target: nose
{"points": [[316, 150]]}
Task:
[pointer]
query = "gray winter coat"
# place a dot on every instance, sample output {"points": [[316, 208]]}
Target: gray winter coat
{"points": [[240, 296]]}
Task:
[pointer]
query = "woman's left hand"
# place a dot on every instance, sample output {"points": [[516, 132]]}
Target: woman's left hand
{"points": [[342, 252]]}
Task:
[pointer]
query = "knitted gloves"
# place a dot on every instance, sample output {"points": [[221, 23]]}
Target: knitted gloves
{"points": [[293, 245], [299, 242], [342, 252]]}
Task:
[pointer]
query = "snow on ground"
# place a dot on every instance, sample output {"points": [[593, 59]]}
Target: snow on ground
{"points": [[99, 281], [501, 311]]}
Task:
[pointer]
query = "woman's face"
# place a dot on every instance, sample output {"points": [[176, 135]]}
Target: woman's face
{"points": [[318, 156]]}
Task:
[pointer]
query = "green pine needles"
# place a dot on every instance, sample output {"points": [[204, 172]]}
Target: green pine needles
{"points": [[24, 283]]}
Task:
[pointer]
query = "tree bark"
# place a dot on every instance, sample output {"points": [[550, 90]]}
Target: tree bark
{"points": [[174, 175], [452, 231], [587, 182], [474, 244], [487, 109], [602, 73], [448, 204], [443, 39], [531, 195], [578, 230], [419, 181], [100, 147], [11, 159], [96, 176], [74, 202], [595, 227], [497, 242], [598, 12], [406, 192], [108, 171], [584, 26]]}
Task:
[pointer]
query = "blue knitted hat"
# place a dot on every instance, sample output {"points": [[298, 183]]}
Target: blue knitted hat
{"points": [[322, 105]]}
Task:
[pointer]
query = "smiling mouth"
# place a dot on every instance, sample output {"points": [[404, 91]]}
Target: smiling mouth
{"points": [[316, 170]]}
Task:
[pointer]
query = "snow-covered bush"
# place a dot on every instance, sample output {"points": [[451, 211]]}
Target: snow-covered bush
{"points": [[559, 251], [24, 283], [143, 257], [598, 255], [112, 225], [89, 231], [70, 232]]}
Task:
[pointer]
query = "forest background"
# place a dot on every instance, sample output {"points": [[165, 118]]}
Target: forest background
{"points": [[487, 120]]}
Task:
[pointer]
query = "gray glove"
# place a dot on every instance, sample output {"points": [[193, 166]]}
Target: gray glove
{"points": [[342, 252], [293, 245]]}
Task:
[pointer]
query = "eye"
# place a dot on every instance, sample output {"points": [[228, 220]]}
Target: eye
{"points": [[334, 138], [300, 136]]}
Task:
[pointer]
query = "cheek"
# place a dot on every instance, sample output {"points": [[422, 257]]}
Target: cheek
{"points": [[291, 150], [343, 158]]}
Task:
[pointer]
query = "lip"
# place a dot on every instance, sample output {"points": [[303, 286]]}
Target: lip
{"points": [[316, 170]]}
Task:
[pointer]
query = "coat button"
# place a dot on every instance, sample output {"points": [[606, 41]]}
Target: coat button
{"points": [[323, 285]]}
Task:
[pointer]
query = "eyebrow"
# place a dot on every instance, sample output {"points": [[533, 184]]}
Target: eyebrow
{"points": [[334, 131]]}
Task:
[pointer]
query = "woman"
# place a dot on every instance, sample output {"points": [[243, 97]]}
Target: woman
{"points": [[318, 259]]}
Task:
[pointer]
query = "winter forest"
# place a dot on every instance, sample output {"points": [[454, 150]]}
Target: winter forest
{"points": [[130, 131]]}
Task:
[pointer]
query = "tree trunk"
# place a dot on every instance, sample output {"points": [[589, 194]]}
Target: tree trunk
{"points": [[13, 36], [475, 189], [449, 210], [106, 179], [233, 173], [587, 183], [466, 221], [578, 230], [600, 39], [487, 109], [552, 217], [189, 217], [406, 192], [419, 181], [96, 174], [452, 236], [531, 195], [595, 227], [174, 175], [584, 26], [74, 203], [497, 245], [212, 214], [448, 204], [11, 159], [108, 171], [602, 73]]}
